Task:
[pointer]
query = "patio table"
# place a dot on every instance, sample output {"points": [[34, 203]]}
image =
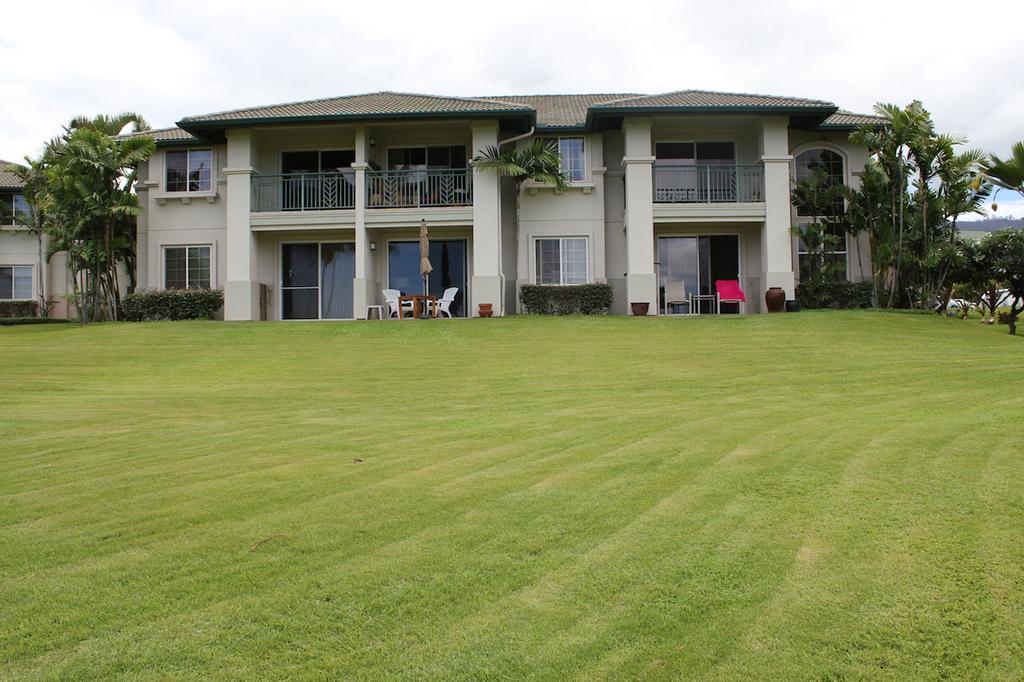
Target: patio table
{"points": [[418, 302]]}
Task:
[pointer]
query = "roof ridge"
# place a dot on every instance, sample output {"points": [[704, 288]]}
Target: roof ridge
{"points": [[338, 97], [716, 92]]}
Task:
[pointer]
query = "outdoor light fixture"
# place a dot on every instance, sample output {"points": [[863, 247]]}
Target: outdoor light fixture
{"points": [[373, 141], [373, 246]]}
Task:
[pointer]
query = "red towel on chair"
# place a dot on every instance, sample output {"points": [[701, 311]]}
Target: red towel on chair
{"points": [[729, 290]]}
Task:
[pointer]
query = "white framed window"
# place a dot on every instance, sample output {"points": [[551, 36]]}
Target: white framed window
{"points": [[187, 267], [15, 282], [189, 170], [14, 209], [832, 256], [561, 260], [574, 159]]}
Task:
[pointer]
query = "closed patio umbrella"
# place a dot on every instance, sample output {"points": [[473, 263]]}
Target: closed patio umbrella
{"points": [[425, 267]]}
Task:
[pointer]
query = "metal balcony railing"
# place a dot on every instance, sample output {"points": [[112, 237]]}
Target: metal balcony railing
{"points": [[709, 184], [303, 191], [419, 188]]}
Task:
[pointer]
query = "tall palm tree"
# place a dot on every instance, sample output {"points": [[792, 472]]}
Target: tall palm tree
{"points": [[538, 161], [111, 125]]}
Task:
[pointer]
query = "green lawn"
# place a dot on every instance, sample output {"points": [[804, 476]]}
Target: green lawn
{"points": [[816, 496]]}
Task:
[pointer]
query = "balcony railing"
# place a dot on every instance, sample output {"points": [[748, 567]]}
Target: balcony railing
{"points": [[725, 184], [419, 188], [303, 191]]}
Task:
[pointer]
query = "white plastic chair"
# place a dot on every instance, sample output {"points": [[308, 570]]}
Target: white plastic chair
{"points": [[391, 297], [444, 304], [675, 294]]}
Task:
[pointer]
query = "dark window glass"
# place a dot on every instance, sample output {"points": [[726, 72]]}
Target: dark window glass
{"points": [[175, 268], [667, 152], [298, 304], [6, 283], [299, 265], [177, 171], [458, 156], [199, 267], [200, 170], [439, 157], [337, 160], [716, 152], [300, 162], [827, 160]]}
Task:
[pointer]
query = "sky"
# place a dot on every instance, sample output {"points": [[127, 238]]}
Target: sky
{"points": [[172, 59]]}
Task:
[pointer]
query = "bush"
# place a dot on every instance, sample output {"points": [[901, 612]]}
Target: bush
{"points": [[12, 321], [9, 309], [584, 299], [1003, 316], [831, 293], [172, 304]]}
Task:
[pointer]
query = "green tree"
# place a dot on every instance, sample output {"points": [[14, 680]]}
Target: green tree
{"points": [[1007, 260], [90, 207], [1008, 174]]}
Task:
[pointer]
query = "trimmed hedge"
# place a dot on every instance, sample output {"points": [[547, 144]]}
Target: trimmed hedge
{"points": [[172, 304], [828, 293], [582, 299], [13, 321], [9, 309]]}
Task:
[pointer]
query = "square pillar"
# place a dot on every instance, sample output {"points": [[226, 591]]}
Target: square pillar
{"points": [[241, 290], [362, 286], [488, 283], [638, 163], [777, 236]]}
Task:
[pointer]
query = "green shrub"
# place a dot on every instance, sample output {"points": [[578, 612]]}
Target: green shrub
{"points": [[584, 299], [822, 292], [12, 321], [1003, 316], [10, 309], [172, 304]]}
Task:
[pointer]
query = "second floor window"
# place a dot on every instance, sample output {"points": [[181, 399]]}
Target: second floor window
{"points": [[14, 209], [190, 170], [573, 156], [187, 267], [826, 160]]}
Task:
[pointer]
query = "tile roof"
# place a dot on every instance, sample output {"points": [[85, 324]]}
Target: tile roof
{"points": [[847, 120], [560, 111], [8, 178], [375, 104], [706, 99], [164, 136]]}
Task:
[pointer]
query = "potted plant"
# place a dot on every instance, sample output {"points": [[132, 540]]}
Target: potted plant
{"points": [[486, 309], [640, 308]]}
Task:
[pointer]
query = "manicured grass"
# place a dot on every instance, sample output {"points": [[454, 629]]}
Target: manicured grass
{"points": [[816, 496]]}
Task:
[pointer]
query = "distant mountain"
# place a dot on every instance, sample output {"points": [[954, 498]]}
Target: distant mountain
{"points": [[991, 224]]}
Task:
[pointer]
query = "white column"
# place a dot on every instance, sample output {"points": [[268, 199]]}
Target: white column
{"points": [[241, 290], [638, 162], [362, 292], [777, 236], [488, 283]]}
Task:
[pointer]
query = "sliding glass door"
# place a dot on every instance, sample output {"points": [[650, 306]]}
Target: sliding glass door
{"points": [[316, 280], [448, 258], [698, 261]]}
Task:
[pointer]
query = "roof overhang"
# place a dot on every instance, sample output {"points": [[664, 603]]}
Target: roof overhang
{"points": [[609, 117]]}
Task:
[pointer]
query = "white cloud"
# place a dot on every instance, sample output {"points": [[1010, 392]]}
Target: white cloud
{"points": [[168, 60]]}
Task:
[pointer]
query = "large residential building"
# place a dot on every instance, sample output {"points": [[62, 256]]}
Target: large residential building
{"points": [[27, 276], [309, 210]]}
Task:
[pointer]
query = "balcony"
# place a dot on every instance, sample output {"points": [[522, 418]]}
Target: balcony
{"points": [[708, 184], [419, 188], [303, 192]]}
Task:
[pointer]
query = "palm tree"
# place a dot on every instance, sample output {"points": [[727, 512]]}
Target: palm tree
{"points": [[1008, 174], [111, 125], [538, 161]]}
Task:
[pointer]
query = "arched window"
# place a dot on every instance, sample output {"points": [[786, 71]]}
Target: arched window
{"points": [[828, 258], [827, 160]]}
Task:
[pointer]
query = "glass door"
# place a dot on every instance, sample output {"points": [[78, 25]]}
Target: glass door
{"points": [[448, 258], [317, 280], [698, 262]]}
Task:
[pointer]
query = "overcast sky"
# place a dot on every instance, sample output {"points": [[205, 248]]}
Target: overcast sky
{"points": [[172, 59]]}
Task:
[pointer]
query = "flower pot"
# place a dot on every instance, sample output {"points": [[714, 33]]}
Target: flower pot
{"points": [[640, 309], [486, 309], [792, 306], [775, 299]]}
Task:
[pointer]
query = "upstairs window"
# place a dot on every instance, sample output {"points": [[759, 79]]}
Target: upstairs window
{"points": [[439, 157], [190, 170], [14, 209], [573, 158], [827, 160]]}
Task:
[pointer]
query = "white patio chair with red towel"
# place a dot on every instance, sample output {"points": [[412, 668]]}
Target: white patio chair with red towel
{"points": [[729, 291]]}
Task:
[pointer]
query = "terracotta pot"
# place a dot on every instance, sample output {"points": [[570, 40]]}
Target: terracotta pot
{"points": [[486, 309], [775, 299], [640, 309]]}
